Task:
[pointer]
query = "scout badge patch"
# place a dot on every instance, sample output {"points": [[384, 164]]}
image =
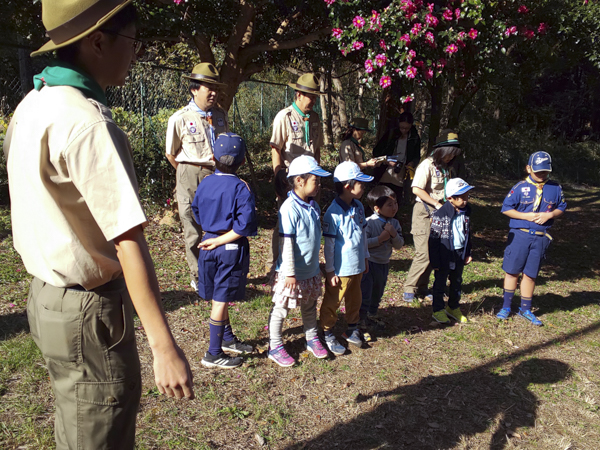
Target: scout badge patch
{"points": [[192, 127], [294, 125]]}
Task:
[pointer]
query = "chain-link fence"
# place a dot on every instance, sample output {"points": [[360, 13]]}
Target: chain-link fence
{"points": [[152, 94]]}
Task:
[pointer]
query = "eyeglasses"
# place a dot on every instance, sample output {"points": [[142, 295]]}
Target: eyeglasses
{"points": [[138, 44]]}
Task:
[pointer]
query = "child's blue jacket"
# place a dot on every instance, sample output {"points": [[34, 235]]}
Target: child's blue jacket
{"points": [[441, 253]]}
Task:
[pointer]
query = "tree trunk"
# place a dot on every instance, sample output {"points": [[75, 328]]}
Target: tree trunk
{"points": [[436, 93], [341, 103], [325, 116]]}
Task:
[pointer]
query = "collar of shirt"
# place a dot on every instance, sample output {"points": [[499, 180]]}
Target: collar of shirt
{"points": [[383, 219], [196, 108], [343, 204], [217, 172], [305, 205]]}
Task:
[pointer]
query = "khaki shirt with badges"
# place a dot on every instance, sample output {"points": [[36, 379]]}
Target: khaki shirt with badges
{"points": [[188, 135], [430, 179], [288, 134], [349, 151], [72, 187]]}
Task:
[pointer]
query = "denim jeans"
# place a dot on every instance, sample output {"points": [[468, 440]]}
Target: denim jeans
{"points": [[372, 287], [439, 285]]}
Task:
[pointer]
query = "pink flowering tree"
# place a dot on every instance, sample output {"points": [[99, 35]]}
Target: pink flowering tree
{"points": [[447, 47]]}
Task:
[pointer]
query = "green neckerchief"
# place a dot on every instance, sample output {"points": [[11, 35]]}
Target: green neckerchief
{"points": [[364, 155], [306, 125], [60, 73], [445, 174]]}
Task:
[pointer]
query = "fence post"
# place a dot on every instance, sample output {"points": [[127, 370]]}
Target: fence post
{"points": [[142, 111], [233, 120], [261, 108]]}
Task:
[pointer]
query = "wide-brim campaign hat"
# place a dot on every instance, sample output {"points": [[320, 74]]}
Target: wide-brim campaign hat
{"points": [[447, 138], [67, 21], [360, 123], [308, 83], [205, 73], [304, 164]]}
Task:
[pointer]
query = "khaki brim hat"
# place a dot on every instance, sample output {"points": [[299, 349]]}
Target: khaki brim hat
{"points": [[307, 83], [68, 22], [360, 123], [205, 73]]}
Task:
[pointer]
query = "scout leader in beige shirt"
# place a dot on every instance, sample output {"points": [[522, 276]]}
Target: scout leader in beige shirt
{"points": [[297, 128], [191, 133]]}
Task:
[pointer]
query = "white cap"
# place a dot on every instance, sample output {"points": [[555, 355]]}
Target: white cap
{"points": [[457, 186], [304, 164], [349, 170]]}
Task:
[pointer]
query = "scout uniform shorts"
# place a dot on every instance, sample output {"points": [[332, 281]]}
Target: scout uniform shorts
{"points": [[524, 253]]}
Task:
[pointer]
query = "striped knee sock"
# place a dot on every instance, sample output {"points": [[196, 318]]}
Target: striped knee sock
{"points": [[508, 297], [216, 336], [525, 303], [228, 332]]}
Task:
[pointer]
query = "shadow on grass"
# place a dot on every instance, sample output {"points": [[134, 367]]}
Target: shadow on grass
{"points": [[173, 300], [13, 324], [440, 411]]}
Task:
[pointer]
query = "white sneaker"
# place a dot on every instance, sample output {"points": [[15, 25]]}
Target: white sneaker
{"points": [[193, 285]]}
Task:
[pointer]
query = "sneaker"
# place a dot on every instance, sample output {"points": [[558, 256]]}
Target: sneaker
{"points": [[531, 317], [316, 348], [354, 338], [281, 356], [334, 346], [222, 361], [456, 314], [426, 296], [408, 297], [193, 285], [236, 346], [441, 317], [503, 313]]}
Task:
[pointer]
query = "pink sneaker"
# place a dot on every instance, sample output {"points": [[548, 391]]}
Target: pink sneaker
{"points": [[316, 348], [281, 356]]}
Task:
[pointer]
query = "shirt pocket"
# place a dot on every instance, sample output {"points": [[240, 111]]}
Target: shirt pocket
{"points": [[437, 182], [548, 205], [196, 140]]}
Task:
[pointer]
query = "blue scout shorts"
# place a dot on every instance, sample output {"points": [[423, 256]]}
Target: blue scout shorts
{"points": [[222, 272], [524, 253]]}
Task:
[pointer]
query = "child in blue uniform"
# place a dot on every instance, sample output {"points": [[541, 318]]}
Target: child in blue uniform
{"points": [[532, 206], [383, 233], [450, 249], [297, 279], [346, 254], [224, 207]]}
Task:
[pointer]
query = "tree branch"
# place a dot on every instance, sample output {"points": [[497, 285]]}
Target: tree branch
{"points": [[284, 45]]}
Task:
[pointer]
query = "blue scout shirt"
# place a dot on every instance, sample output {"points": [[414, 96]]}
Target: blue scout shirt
{"points": [[301, 221], [522, 197], [222, 203], [346, 224]]}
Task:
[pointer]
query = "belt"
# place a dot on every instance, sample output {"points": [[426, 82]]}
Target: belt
{"points": [[204, 166], [535, 233], [113, 285]]}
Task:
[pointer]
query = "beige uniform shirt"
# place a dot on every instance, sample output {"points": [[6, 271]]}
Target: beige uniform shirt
{"points": [[288, 134], [390, 175], [430, 179], [188, 135], [349, 151], [72, 187]]}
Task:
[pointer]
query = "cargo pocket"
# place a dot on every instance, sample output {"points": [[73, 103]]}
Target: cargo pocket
{"points": [[60, 334], [106, 413]]}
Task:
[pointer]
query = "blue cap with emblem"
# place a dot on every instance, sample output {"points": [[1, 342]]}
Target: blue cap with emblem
{"points": [[230, 149], [540, 161]]}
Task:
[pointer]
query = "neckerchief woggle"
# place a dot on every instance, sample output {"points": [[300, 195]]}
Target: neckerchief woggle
{"points": [[306, 124], [364, 156], [60, 73], [539, 189], [208, 117]]}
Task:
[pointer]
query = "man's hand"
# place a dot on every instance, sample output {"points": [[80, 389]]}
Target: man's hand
{"points": [[332, 279], [172, 373]]}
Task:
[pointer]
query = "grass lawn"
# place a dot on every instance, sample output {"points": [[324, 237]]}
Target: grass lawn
{"points": [[485, 385]]}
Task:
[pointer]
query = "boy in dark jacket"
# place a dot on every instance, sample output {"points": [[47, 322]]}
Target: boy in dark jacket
{"points": [[450, 249]]}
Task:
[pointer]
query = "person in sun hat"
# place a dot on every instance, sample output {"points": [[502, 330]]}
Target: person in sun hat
{"points": [[450, 250], [350, 149], [69, 162], [191, 134], [532, 205], [428, 185], [224, 206], [296, 131], [346, 253], [297, 278]]}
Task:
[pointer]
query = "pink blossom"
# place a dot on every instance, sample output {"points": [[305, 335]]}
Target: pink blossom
{"points": [[462, 35], [523, 9], [405, 38], [473, 33], [380, 60], [344, 51], [177, 2], [383, 45], [369, 67], [411, 55], [429, 74], [358, 22], [416, 29], [431, 20], [385, 81], [11, 305], [543, 28], [529, 34], [452, 48], [407, 99], [429, 38], [337, 33], [419, 64], [457, 13], [430, 7], [411, 72], [330, 2], [448, 14], [357, 45], [374, 17], [460, 43]]}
